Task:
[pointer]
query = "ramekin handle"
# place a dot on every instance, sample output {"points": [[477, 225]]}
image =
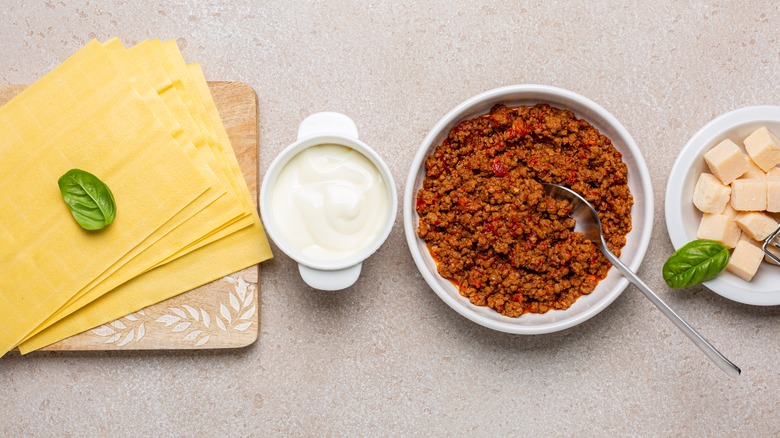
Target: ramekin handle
{"points": [[330, 280], [327, 122]]}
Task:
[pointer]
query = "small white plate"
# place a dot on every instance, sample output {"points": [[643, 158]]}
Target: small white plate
{"points": [[682, 218]]}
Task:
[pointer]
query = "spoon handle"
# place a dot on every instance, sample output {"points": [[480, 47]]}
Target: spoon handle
{"points": [[714, 355]]}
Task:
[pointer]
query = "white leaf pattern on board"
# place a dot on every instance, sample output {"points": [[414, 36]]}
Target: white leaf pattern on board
{"points": [[122, 333], [192, 335], [241, 287], [104, 330], [193, 312], [206, 318], [234, 302], [223, 310], [248, 314], [233, 313], [141, 332], [168, 320], [127, 339], [180, 327], [242, 326]]}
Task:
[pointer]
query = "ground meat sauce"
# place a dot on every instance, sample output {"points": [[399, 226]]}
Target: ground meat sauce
{"points": [[490, 227]]}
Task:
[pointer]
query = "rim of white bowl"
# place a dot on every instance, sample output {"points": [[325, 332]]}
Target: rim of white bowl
{"points": [[725, 284], [461, 112]]}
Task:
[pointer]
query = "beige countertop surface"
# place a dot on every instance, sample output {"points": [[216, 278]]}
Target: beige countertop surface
{"points": [[387, 357]]}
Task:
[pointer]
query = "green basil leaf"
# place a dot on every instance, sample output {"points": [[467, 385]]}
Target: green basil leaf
{"points": [[694, 263], [89, 199]]}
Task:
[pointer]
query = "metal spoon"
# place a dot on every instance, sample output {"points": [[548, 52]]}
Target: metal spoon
{"points": [[588, 222]]}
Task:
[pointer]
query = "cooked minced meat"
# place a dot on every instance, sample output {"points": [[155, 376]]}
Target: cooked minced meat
{"points": [[490, 227]]}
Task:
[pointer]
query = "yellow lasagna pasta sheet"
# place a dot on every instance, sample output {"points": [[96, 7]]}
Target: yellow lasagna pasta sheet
{"points": [[47, 258], [210, 211], [171, 150]]}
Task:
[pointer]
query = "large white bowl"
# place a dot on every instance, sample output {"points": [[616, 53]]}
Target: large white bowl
{"points": [[636, 241], [682, 218]]}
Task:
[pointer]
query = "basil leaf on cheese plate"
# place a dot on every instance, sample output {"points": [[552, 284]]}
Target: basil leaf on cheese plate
{"points": [[694, 263], [88, 198]]}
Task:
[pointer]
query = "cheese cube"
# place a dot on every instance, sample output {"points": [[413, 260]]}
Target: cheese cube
{"points": [[764, 148], [756, 225], [773, 194], [753, 171], [759, 244], [729, 212], [748, 195], [726, 161], [775, 216], [710, 195], [745, 260], [749, 239], [775, 171], [720, 229]]}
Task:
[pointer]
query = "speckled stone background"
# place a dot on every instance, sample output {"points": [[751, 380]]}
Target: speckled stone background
{"points": [[387, 357]]}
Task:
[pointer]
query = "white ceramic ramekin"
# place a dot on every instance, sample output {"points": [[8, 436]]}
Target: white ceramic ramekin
{"points": [[317, 129]]}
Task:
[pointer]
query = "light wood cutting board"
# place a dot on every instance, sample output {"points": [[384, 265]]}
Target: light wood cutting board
{"points": [[221, 314]]}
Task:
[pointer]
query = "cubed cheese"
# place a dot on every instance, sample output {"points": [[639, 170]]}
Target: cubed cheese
{"points": [[748, 195], [755, 224], [720, 229], [729, 211], [773, 194], [753, 171], [764, 148], [749, 239], [775, 217], [745, 238], [745, 260], [710, 195], [726, 161], [775, 171]]}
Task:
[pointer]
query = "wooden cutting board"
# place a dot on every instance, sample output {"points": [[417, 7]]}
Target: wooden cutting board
{"points": [[221, 314]]}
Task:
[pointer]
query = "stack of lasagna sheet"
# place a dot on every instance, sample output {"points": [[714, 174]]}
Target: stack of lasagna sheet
{"points": [[145, 123]]}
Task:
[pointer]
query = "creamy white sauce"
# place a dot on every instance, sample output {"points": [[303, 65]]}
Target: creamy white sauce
{"points": [[330, 202]]}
